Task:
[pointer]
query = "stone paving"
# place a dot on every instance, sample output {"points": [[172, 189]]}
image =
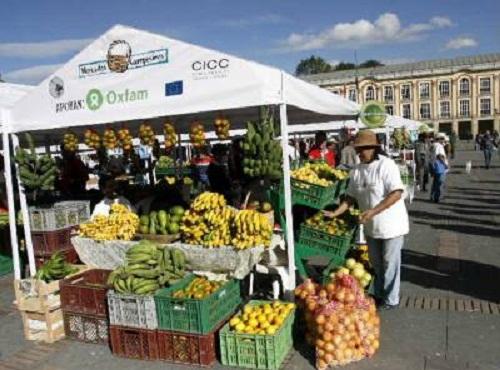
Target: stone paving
{"points": [[449, 319]]}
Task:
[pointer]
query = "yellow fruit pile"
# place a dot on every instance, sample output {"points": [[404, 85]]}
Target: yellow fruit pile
{"points": [[307, 174], [355, 269], [92, 139], [252, 228], [70, 142], [146, 134], [199, 288], [332, 226], [319, 174], [262, 319], [222, 126], [170, 135], [197, 134], [125, 139], [120, 224], [109, 139]]}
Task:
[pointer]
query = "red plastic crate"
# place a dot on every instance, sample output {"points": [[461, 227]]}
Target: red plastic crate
{"points": [[86, 328], [184, 348], [140, 344], [48, 242], [86, 293], [69, 254]]}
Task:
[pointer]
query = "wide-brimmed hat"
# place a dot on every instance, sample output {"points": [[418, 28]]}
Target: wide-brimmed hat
{"points": [[366, 138]]}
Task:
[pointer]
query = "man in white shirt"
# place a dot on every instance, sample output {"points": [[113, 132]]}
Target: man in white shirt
{"points": [[375, 183], [109, 186], [437, 149]]}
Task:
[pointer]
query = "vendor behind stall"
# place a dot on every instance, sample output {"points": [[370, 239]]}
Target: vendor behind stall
{"points": [[74, 175], [110, 188]]}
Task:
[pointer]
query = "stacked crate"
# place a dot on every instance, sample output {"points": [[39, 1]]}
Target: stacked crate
{"points": [[83, 302]]}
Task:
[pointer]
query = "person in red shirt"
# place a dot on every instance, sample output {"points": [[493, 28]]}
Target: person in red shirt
{"points": [[320, 151]]}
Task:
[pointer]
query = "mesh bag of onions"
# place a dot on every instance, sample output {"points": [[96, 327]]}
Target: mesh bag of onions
{"points": [[342, 322]]}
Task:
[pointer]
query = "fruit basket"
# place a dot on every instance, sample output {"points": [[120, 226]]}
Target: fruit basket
{"points": [[197, 316], [162, 239], [254, 350], [60, 216], [311, 195], [86, 328], [135, 343], [130, 310]]}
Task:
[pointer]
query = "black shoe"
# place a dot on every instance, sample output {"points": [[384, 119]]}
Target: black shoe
{"points": [[387, 307]]}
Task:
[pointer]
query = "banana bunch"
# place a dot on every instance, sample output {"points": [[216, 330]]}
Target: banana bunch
{"points": [[92, 139], [197, 134], [207, 200], [70, 142], [121, 224], [148, 268], [170, 136], [55, 268], [36, 172], [146, 134], [125, 139], [251, 228], [109, 139], [222, 126]]}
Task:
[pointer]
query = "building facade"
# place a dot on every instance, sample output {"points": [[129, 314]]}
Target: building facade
{"points": [[460, 94]]}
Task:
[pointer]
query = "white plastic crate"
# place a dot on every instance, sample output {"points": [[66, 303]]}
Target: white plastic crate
{"points": [[131, 310], [61, 215]]}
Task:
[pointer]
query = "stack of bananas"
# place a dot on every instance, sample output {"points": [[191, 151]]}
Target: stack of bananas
{"points": [[120, 224], [55, 268], [146, 134], [222, 126], [208, 221], [109, 139], [92, 139], [197, 134], [170, 136], [70, 142], [148, 268], [125, 139], [251, 228]]}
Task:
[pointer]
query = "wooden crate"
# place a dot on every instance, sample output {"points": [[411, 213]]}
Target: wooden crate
{"points": [[46, 327]]}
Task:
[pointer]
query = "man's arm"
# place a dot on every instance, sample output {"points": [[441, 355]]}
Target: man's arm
{"points": [[343, 207], [392, 198]]}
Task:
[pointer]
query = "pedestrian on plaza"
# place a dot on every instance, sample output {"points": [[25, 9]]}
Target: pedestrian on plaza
{"points": [[453, 143], [488, 146], [436, 148], [477, 142], [422, 161], [348, 157], [375, 184], [439, 169]]}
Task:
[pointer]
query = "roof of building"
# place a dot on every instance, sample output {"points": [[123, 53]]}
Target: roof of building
{"points": [[404, 69]]}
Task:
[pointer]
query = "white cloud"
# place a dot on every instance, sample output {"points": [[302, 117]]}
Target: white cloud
{"points": [[334, 62], [461, 42], [385, 29], [32, 75], [41, 49], [254, 21]]}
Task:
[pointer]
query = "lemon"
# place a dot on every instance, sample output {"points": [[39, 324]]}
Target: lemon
{"points": [[234, 321], [240, 328], [276, 304], [253, 323], [271, 330], [270, 317], [266, 306], [268, 310], [278, 321], [264, 325], [261, 318], [245, 317], [247, 309]]}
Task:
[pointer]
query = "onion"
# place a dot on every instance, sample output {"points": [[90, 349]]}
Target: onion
{"points": [[320, 319], [321, 364], [328, 358], [320, 330], [336, 339], [350, 298], [329, 348], [329, 326], [349, 354], [330, 288], [320, 353], [323, 293], [376, 344], [311, 305], [327, 336], [351, 328], [320, 344]]}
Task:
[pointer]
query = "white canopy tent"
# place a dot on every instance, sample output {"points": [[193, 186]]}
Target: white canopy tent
{"points": [[128, 75]]}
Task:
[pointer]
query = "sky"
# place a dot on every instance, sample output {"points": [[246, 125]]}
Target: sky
{"points": [[37, 36]]}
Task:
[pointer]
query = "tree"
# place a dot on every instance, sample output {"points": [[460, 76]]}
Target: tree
{"points": [[313, 65], [343, 66], [370, 63]]}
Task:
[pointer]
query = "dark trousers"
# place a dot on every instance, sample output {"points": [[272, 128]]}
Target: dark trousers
{"points": [[487, 157], [437, 185]]}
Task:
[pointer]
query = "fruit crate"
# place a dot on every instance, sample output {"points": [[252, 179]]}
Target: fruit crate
{"points": [[311, 195], [48, 242], [256, 351], [196, 316], [86, 328], [46, 327], [135, 343], [6, 265], [85, 293], [77, 211], [130, 310], [172, 171], [70, 256], [188, 349], [60, 216]]}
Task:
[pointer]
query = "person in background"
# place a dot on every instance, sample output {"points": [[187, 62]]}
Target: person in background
{"points": [[375, 184], [488, 146], [422, 161], [110, 190], [201, 161], [319, 150], [453, 143], [74, 175], [303, 149], [477, 142], [331, 146], [349, 158], [218, 173], [439, 168]]}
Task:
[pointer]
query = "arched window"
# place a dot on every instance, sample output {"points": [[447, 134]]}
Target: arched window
{"points": [[464, 87], [369, 93]]}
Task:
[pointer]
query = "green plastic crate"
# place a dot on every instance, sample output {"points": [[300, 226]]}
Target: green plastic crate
{"points": [[196, 316], [6, 265], [311, 195], [256, 351]]}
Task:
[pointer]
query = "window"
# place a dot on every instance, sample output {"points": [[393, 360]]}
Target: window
{"points": [[389, 109], [444, 109], [485, 85], [352, 94], [464, 108], [388, 94], [405, 92], [425, 111], [464, 88], [444, 89], [370, 93], [485, 107], [425, 90], [406, 111]]}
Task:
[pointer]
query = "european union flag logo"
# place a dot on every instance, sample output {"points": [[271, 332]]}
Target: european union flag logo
{"points": [[174, 88]]}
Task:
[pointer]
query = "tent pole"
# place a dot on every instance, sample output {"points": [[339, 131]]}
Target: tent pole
{"points": [[288, 199], [11, 205], [25, 213]]}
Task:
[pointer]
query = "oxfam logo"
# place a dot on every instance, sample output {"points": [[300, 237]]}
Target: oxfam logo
{"points": [[96, 98]]}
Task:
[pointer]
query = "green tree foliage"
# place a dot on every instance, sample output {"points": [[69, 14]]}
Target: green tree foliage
{"points": [[313, 65]]}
